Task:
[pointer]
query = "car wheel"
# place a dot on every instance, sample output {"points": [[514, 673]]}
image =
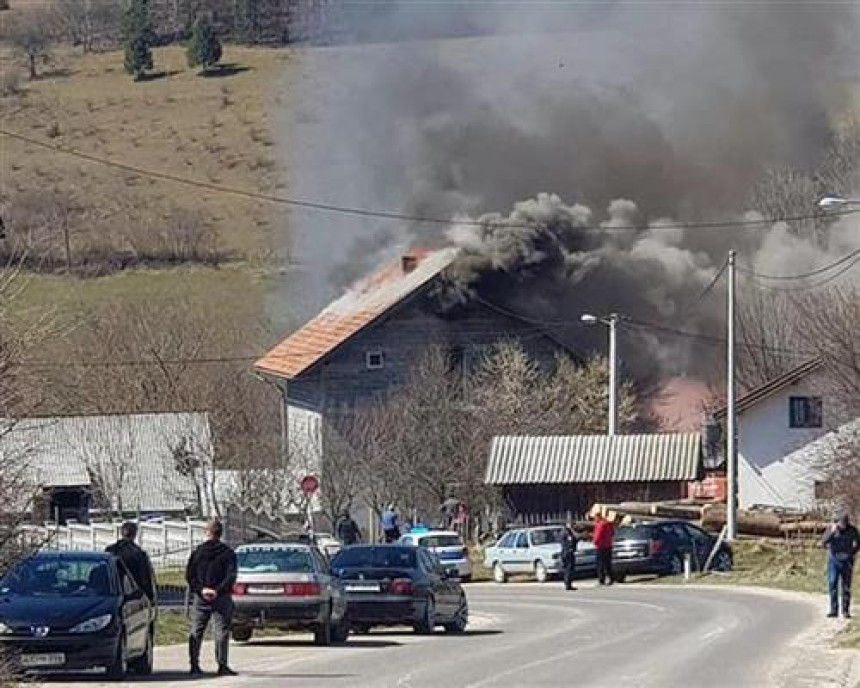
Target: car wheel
{"points": [[466, 579], [723, 562], [619, 577], [499, 574], [541, 574], [242, 634], [361, 630], [676, 565], [323, 632], [461, 619], [143, 664], [428, 620], [119, 668]]}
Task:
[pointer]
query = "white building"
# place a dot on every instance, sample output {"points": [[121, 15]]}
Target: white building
{"points": [[785, 427]]}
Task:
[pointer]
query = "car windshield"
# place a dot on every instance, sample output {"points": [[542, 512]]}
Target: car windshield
{"points": [[375, 557], [58, 577], [546, 536], [633, 533], [440, 541], [274, 560]]}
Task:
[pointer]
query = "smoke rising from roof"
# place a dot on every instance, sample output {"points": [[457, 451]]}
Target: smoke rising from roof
{"points": [[647, 110]]}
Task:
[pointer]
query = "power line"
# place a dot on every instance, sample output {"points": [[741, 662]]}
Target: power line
{"points": [[389, 215], [817, 285], [138, 363], [707, 290], [804, 275]]}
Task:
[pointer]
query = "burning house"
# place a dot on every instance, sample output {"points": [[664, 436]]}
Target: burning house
{"points": [[365, 342]]}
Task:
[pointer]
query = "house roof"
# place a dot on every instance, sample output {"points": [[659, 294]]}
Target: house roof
{"points": [[132, 455], [594, 459], [777, 384], [360, 306]]}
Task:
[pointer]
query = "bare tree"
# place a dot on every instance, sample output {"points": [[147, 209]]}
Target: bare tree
{"points": [[89, 24], [32, 35]]}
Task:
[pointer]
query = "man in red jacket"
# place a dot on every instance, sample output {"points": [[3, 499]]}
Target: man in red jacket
{"points": [[602, 539]]}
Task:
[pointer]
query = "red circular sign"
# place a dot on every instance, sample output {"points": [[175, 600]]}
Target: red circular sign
{"points": [[310, 484]]}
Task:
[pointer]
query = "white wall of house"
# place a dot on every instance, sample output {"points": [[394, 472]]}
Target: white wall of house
{"points": [[771, 468]]}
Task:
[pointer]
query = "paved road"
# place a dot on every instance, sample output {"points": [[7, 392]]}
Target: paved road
{"points": [[533, 635]]}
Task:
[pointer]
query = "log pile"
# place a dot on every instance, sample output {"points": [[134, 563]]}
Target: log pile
{"points": [[711, 516]]}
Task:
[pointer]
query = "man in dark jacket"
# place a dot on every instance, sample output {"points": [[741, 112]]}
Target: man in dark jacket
{"points": [[568, 555], [134, 558], [210, 574], [347, 530], [843, 543]]}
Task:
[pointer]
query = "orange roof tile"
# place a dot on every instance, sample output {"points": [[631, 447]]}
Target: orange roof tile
{"points": [[362, 304]]}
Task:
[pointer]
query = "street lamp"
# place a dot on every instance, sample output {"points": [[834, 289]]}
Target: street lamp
{"points": [[611, 321], [834, 202]]}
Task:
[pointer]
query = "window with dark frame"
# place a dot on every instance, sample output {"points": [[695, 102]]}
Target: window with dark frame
{"points": [[374, 359], [805, 412]]}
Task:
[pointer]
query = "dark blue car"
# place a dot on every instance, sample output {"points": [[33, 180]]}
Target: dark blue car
{"points": [[71, 611], [660, 548]]}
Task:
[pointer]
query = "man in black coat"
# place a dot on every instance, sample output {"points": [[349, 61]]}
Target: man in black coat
{"points": [[568, 555], [134, 558], [348, 531], [211, 573], [843, 543]]}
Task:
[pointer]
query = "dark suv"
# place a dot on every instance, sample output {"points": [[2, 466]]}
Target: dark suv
{"points": [[660, 547]]}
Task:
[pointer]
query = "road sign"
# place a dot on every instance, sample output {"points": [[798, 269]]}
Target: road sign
{"points": [[310, 484]]}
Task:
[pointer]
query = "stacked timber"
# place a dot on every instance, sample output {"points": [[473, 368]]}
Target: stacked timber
{"points": [[712, 516]]}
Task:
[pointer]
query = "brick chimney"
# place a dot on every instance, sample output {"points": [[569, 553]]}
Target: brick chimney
{"points": [[408, 262]]}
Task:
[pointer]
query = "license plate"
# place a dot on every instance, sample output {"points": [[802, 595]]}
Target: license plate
{"points": [[627, 554], [47, 660], [362, 587], [265, 589]]}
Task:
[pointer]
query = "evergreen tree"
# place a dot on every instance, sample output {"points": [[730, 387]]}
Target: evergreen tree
{"points": [[204, 48], [139, 37]]}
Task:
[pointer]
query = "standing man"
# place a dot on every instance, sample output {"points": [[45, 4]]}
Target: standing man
{"points": [[568, 555], [348, 531], [210, 574], [842, 542], [602, 539], [390, 524], [134, 558]]}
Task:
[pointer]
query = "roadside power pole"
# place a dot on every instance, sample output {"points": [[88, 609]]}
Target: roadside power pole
{"points": [[613, 374], [731, 431], [611, 321]]}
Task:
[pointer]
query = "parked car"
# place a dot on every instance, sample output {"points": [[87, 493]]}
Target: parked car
{"points": [[73, 611], [397, 585], [660, 547], [288, 586], [536, 551], [447, 545]]}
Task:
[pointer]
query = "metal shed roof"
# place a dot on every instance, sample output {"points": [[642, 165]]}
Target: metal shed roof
{"points": [[134, 454], [594, 459]]}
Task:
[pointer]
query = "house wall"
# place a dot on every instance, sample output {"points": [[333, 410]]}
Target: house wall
{"points": [[542, 503], [402, 336], [765, 440]]}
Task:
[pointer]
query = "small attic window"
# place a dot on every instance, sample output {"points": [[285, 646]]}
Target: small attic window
{"points": [[374, 359]]}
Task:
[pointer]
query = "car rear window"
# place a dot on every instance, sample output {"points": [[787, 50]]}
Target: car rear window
{"points": [[375, 557], [634, 533], [58, 577], [274, 560], [546, 536], [440, 541]]}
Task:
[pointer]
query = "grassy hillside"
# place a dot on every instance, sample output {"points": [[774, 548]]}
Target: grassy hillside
{"points": [[213, 129]]}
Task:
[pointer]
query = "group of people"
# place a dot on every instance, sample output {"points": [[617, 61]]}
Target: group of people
{"points": [[602, 538], [210, 575]]}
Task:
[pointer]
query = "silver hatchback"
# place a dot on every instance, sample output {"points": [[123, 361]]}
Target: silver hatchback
{"points": [[535, 551]]}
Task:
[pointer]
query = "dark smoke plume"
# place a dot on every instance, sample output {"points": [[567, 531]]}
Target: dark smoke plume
{"points": [[680, 108]]}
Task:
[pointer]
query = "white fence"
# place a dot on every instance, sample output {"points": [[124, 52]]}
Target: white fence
{"points": [[168, 544]]}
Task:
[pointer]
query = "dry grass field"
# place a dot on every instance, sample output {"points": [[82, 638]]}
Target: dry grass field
{"points": [[213, 129]]}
